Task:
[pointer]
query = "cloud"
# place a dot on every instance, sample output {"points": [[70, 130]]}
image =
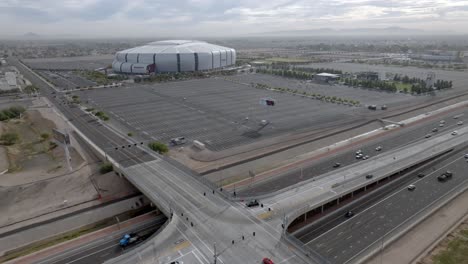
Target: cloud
{"points": [[223, 17]]}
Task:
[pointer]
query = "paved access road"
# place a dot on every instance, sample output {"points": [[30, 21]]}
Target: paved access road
{"points": [[345, 241], [392, 140]]}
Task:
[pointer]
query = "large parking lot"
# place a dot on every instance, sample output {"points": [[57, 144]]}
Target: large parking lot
{"points": [[66, 80], [214, 111], [70, 63], [365, 96]]}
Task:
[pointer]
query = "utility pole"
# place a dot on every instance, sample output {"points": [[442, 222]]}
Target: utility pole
{"points": [[215, 255]]}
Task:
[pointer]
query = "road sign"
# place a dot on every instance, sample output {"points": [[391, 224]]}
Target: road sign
{"points": [[61, 137]]}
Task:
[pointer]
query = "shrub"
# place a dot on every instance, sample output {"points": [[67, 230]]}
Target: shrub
{"points": [[159, 147], [9, 139], [105, 168], [45, 136]]}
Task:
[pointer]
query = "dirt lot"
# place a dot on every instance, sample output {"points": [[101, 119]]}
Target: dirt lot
{"points": [[453, 249], [3, 155], [39, 182], [35, 158]]}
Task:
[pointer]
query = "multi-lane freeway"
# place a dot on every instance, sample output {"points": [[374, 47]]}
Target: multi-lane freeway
{"points": [[345, 238], [389, 141], [104, 249]]}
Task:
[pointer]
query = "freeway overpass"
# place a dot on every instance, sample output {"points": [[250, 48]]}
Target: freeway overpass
{"points": [[215, 225]]}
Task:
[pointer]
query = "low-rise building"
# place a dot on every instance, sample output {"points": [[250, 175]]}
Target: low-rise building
{"points": [[326, 77]]}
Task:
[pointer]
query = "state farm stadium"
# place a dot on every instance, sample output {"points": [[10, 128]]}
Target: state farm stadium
{"points": [[173, 56]]}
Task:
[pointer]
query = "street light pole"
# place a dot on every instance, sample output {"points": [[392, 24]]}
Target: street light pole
{"points": [[215, 255]]}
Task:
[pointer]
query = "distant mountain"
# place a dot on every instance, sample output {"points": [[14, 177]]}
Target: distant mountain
{"points": [[31, 35], [352, 31]]}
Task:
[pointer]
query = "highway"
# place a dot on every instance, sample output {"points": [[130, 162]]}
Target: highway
{"points": [[107, 248], [205, 219], [394, 139], [341, 243]]}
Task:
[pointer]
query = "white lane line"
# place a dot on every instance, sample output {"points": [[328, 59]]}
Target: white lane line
{"points": [[196, 256], [85, 256], [287, 259]]}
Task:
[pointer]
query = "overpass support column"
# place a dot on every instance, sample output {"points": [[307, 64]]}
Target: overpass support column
{"points": [[321, 208]]}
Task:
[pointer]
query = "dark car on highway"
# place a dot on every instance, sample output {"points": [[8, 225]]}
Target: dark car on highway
{"points": [[445, 176], [336, 165], [421, 175], [369, 176], [349, 214]]}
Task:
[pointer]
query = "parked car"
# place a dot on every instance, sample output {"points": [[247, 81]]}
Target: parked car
{"points": [[441, 124], [435, 129], [379, 148], [336, 165], [454, 133], [411, 187], [466, 156], [421, 175], [267, 261], [252, 203], [460, 123], [178, 141], [428, 136]]}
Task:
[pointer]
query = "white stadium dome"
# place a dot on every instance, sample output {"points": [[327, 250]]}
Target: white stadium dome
{"points": [[173, 56]]}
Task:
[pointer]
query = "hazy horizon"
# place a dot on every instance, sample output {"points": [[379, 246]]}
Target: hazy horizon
{"points": [[197, 18]]}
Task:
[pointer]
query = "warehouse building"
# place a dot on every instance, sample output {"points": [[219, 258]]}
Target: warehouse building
{"points": [[173, 56]]}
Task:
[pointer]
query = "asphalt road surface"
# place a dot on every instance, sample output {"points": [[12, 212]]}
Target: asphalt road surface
{"points": [[393, 140], [344, 241], [106, 248]]}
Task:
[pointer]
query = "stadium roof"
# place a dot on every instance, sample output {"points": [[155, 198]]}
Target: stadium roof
{"points": [[175, 46]]}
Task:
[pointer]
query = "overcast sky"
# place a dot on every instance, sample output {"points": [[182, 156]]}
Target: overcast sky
{"points": [[152, 18]]}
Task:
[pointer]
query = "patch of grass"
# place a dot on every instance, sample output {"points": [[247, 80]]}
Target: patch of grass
{"points": [[105, 168], [102, 115], [277, 59], [402, 86], [456, 251]]}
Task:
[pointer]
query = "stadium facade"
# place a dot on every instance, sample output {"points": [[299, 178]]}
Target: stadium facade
{"points": [[173, 56]]}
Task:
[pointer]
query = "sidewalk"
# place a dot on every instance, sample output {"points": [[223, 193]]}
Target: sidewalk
{"points": [[419, 240], [34, 257]]}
